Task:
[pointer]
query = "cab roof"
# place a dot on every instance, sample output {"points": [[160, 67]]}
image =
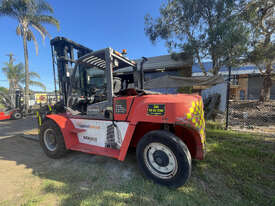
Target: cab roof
{"points": [[98, 59]]}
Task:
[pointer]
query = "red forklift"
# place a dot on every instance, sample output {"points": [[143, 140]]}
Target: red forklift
{"points": [[102, 114], [11, 111]]}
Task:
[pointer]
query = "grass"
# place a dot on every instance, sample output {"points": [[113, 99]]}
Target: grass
{"points": [[239, 169], [214, 125]]}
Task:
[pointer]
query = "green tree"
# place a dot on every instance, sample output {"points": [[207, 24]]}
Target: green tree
{"points": [[16, 76], [30, 14], [208, 30], [260, 18]]}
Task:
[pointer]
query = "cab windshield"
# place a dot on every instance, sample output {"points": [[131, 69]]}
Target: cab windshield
{"points": [[87, 79], [95, 77]]}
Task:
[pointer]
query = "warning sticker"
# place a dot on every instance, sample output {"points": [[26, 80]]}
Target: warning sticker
{"points": [[156, 109], [121, 106]]}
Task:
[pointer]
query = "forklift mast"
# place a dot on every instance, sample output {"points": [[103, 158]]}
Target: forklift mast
{"points": [[18, 96], [64, 56], [8, 103]]}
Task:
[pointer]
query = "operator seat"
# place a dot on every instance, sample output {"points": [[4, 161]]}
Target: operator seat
{"points": [[116, 85]]}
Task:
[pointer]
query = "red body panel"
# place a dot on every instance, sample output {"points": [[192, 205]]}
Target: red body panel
{"points": [[67, 128], [108, 152], [71, 140], [176, 106], [129, 103], [125, 145], [5, 115], [184, 112]]}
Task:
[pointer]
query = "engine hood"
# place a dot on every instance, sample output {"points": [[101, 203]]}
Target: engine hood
{"points": [[181, 109]]}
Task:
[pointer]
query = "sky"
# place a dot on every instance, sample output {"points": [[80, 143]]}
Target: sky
{"points": [[95, 24]]}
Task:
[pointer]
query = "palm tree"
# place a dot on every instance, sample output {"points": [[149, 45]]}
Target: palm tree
{"points": [[16, 76], [30, 14]]}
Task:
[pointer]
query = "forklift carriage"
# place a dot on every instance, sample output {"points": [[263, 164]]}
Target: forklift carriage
{"points": [[101, 114]]}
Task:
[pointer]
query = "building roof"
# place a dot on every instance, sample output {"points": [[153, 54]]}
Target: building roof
{"points": [[167, 62], [247, 69], [170, 81], [158, 62]]}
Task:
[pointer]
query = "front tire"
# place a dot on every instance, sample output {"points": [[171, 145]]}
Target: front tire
{"points": [[52, 140], [164, 158]]}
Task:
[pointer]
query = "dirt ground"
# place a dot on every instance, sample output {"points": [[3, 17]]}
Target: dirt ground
{"points": [[25, 169]]}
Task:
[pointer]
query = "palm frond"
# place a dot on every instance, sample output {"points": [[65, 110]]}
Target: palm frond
{"points": [[5, 70], [14, 73], [48, 20], [40, 28], [42, 31], [34, 75], [43, 6], [38, 84], [21, 66], [8, 70], [6, 9], [20, 71]]}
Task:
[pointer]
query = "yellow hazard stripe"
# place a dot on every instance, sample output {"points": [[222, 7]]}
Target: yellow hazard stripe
{"points": [[39, 119], [196, 116]]}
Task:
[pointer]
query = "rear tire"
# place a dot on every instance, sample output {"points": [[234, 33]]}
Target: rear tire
{"points": [[52, 140], [164, 158], [16, 115]]}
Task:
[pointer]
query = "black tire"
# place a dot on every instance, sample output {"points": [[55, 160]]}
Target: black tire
{"points": [[60, 148], [179, 154], [16, 115]]}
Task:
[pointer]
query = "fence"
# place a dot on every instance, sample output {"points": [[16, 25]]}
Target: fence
{"points": [[244, 108], [251, 114]]}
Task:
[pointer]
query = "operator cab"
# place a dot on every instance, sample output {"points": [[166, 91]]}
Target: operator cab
{"points": [[93, 85]]}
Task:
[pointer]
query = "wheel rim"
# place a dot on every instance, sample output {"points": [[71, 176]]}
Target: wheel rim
{"points": [[160, 160], [50, 140], [17, 115]]}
